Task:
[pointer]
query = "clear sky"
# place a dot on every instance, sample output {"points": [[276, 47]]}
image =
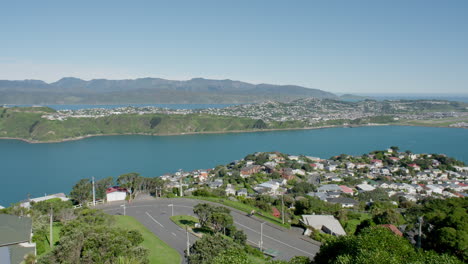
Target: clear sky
{"points": [[374, 46]]}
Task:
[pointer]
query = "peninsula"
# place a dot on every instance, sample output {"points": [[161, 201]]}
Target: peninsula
{"points": [[43, 124]]}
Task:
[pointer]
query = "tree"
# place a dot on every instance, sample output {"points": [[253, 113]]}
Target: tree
{"points": [[204, 250], [445, 226], [91, 238], [232, 256], [82, 191], [132, 181], [203, 212], [220, 221], [102, 185], [372, 245]]}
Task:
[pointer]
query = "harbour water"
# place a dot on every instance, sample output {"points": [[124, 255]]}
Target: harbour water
{"points": [[37, 169]]}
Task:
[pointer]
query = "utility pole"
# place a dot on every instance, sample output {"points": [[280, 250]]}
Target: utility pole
{"points": [[188, 241], [420, 231], [94, 194], [261, 236], [181, 192], [282, 208], [51, 236]]}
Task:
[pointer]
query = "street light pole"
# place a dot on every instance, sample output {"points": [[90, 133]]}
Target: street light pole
{"points": [[94, 194], [172, 209], [261, 236], [123, 205], [188, 241], [282, 208], [420, 231]]}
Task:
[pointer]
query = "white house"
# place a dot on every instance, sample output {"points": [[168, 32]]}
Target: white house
{"points": [[230, 190], [116, 194], [325, 223]]}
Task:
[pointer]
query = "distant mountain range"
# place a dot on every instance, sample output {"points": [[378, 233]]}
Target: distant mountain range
{"points": [[149, 90]]}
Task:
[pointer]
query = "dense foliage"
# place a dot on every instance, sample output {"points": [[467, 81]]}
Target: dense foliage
{"points": [[91, 238], [376, 245]]}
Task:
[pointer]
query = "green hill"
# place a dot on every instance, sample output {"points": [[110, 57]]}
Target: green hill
{"points": [[28, 124]]}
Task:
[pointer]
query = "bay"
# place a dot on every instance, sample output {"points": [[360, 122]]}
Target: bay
{"points": [[39, 169]]}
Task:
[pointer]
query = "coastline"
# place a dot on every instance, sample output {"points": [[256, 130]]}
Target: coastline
{"points": [[209, 132]]}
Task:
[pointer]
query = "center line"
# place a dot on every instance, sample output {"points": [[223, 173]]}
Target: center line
{"points": [[154, 219], [281, 242]]}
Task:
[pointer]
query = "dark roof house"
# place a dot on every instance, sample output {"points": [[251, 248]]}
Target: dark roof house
{"points": [[15, 238]]}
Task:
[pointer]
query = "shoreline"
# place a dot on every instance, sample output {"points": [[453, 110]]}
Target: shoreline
{"points": [[210, 132]]}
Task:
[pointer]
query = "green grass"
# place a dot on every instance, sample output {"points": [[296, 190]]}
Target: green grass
{"points": [[350, 225], [184, 221], [189, 221], [43, 242], [159, 251], [242, 207]]}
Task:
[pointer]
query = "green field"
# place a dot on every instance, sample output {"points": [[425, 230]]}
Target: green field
{"points": [[159, 251]]}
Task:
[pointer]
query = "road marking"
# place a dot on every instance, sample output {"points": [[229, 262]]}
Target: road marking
{"points": [[153, 219], [173, 234], [281, 242]]}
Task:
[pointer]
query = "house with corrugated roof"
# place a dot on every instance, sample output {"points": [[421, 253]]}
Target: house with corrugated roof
{"points": [[15, 239]]}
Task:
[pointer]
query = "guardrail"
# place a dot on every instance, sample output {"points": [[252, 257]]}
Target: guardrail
{"points": [[89, 204]]}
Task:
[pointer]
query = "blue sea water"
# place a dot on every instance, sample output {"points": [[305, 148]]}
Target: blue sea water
{"points": [[37, 169]]}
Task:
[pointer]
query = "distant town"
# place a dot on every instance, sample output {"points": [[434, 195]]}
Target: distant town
{"points": [[310, 111]]}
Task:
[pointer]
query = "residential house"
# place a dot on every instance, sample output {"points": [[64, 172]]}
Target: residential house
{"points": [[329, 188], [270, 187], [215, 184], [414, 166], [15, 239], [230, 190], [346, 189], [287, 173], [27, 203], [325, 223], [116, 193], [249, 170], [242, 192], [344, 201], [365, 187], [377, 163]]}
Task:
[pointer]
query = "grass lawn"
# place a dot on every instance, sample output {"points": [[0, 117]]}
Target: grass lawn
{"points": [[184, 220], [44, 242], [242, 207], [189, 221], [159, 251], [350, 225]]}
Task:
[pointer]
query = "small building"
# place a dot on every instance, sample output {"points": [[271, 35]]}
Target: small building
{"points": [[242, 192], [116, 194], [344, 201], [27, 203], [230, 190], [249, 170], [325, 223], [365, 187], [15, 239]]}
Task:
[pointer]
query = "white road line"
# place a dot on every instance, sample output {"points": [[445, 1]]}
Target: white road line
{"points": [[153, 219], [281, 242], [173, 234]]}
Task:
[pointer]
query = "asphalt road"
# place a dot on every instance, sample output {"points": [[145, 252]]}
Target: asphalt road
{"points": [[155, 213]]}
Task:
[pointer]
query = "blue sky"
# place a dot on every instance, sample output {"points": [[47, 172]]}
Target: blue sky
{"points": [[375, 46]]}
